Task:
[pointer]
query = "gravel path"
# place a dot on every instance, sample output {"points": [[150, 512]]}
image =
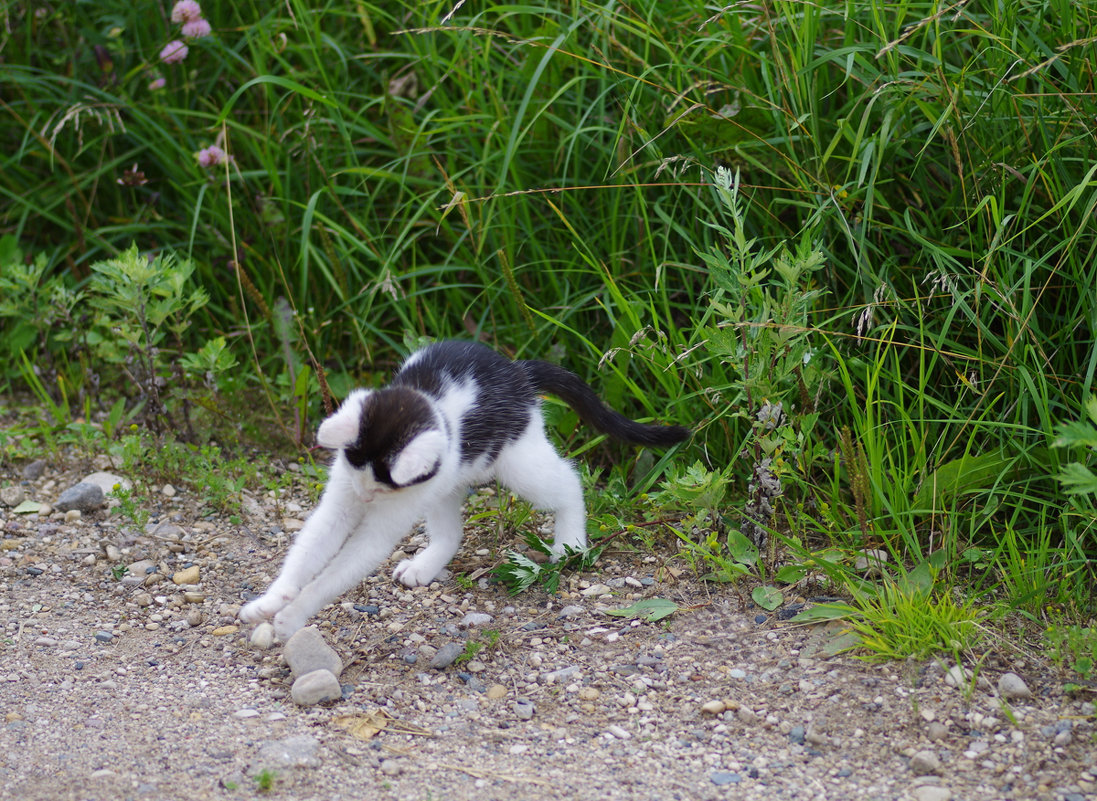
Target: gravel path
{"points": [[144, 685]]}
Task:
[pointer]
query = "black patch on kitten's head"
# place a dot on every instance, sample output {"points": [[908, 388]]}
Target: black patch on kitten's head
{"points": [[390, 419]]}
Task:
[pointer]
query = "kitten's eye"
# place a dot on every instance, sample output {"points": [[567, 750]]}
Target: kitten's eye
{"points": [[356, 456]]}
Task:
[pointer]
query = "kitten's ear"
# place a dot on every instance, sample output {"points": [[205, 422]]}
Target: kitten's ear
{"points": [[419, 459], [341, 429]]}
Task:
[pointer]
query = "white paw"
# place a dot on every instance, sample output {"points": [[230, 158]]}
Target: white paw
{"points": [[266, 606], [415, 572], [287, 623]]}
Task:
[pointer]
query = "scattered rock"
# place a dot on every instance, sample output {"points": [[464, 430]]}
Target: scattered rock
{"points": [[107, 481], [931, 792], [960, 678], [221, 631], [316, 687], [496, 691], [713, 707], [721, 778], [83, 496], [618, 731], [936, 731], [12, 496], [569, 611], [391, 767], [1012, 687], [595, 590], [563, 674], [298, 751], [306, 651], [263, 636], [446, 655], [925, 763], [168, 491], [188, 575], [32, 471], [475, 619], [871, 562], [523, 709]]}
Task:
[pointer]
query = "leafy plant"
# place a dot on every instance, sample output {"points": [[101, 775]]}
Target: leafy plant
{"points": [[520, 572], [1074, 647]]}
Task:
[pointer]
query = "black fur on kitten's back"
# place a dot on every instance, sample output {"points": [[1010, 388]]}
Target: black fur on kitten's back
{"points": [[507, 391]]}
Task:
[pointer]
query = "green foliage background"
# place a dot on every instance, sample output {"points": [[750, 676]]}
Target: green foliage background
{"points": [[543, 176]]}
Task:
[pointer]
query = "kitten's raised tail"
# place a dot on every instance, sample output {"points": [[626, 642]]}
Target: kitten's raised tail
{"points": [[575, 392]]}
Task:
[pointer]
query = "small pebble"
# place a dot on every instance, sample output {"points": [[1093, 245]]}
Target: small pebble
{"points": [[1012, 687], [262, 637], [618, 732], [306, 651], [925, 763], [316, 688], [188, 575], [446, 655], [391, 767], [523, 709]]}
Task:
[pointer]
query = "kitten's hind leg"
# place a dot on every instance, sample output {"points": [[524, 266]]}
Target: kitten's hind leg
{"points": [[444, 529], [533, 469]]}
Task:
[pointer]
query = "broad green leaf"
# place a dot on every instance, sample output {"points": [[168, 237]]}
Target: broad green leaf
{"points": [[790, 574], [970, 473], [650, 609], [825, 612], [769, 598]]}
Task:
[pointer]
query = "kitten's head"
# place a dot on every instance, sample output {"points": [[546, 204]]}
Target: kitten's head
{"points": [[391, 436]]}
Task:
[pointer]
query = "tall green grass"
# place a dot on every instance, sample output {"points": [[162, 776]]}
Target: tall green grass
{"points": [[541, 176]]}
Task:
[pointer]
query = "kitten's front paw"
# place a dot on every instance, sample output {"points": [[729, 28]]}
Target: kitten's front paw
{"points": [[266, 606], [415, 573]]}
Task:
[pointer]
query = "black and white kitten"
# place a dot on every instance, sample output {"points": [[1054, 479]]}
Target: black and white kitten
{"points": [[456, 415]]}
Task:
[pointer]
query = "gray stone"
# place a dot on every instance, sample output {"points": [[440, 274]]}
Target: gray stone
{"points": [[569, 611], [1012, 687], [446, 655], [316, 688], [931, 792], [34, 470], [523, 709], [107, 481], [960, 678], [263, 636], [306, 652], [83, 496], [391, 767], [937, 731], [298, 751], [925, 763], [560, 675], [475, 619], [12, 496], [721, 778]]}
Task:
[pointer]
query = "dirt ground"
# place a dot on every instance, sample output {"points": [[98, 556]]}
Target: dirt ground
{"points": [[129, 684]]}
